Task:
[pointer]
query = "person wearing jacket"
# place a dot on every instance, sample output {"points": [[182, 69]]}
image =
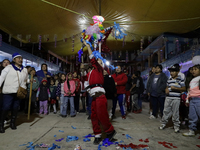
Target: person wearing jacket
{"points": [[43, 95], [43, 73], [13, 76], [77, 92], [35, 87], [60, 91], [156, 86], [120, 79], [52, 102], [111, 91], [69, 89]]}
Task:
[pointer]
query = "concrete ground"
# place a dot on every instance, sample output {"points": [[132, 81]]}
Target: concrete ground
{"points": [[42, 129]]}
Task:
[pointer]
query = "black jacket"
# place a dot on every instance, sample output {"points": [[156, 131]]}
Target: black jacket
{"points": [[161, 84], [109, 86], [43, 95]]}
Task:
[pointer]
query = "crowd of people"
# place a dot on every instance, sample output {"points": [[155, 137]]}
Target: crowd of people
{"points": [[99, 92]]}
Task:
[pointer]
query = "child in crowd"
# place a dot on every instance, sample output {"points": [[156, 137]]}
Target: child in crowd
{"points": [[60, 91], [77, 91], [53, 96], [193, 99], [35, 86], [175, 85], [69, 89], [56, 80], [43, 95]]}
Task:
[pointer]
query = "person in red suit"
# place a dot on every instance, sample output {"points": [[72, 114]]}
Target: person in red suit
{"points": [[120, 79], [99, 102]]}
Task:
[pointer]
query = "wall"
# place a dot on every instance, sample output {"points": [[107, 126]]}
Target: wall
{"points": [[7, 50]]}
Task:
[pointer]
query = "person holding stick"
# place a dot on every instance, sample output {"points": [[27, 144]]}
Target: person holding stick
{"points": [[14, 76]]}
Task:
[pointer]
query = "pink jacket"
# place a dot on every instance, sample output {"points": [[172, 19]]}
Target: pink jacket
{"points": [[194, 88], [72, 88]]}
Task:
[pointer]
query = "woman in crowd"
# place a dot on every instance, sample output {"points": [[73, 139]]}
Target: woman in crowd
{"points": [[13, 76], [43, 73]]}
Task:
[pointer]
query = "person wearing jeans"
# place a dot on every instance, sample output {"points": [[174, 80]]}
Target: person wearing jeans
{"points": [[120, 79], [60, 91], [12, 76], [156, 86], [69, 89]]}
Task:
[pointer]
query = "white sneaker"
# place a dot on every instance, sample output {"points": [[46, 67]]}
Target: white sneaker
{"points": [[5, 122], [190, 133], [161, 127], [176, 129], [152, 117]]}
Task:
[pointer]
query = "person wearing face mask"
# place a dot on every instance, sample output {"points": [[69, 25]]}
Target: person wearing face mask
{"points": [[13, 76]]}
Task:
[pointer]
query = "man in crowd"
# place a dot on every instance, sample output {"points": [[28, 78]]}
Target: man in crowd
{"points": [[128, 87], [156, 90], [120, 82]]}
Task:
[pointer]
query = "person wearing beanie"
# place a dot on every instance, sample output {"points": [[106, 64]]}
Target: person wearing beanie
{"points": [[13, 76], [156, 90], [43, 95]]}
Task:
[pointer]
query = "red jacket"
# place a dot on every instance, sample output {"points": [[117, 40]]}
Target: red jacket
{"points": [[121, 80], [77, 83], [96, 75]]}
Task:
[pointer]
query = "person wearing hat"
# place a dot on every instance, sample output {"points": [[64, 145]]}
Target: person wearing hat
{"points": [[156, 90], [43, 95], [13, 76], [175, 85]]}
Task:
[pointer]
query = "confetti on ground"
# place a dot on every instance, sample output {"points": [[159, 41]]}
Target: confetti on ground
{"points": [[61, 131], [131, 145], [73, 127], [59, 140], [167, 145], [71, 138], [128, 136]]}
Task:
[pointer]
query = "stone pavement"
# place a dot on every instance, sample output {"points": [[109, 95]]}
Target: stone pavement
{"points": [[42, 129]]}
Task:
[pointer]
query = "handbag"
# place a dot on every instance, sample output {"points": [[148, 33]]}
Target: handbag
{"points": [[21, 92]]}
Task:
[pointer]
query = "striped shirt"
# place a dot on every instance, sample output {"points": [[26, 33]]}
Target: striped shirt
{"points": [[178, 82]]}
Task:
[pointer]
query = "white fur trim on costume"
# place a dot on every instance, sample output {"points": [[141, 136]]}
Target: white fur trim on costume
{"points": [[91, 56], [17, 56], [98, 135], [95, 90], [86, 84]]}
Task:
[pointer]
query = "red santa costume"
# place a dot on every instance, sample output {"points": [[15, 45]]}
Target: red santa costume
{"points": [[99, 104]]}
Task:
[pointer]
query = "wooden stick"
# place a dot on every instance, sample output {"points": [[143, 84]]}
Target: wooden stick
{"points": [[30, 95]]}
